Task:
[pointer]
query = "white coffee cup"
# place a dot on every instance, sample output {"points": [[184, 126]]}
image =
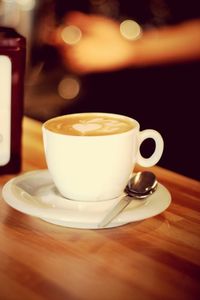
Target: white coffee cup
{"points": [[89, 164]]}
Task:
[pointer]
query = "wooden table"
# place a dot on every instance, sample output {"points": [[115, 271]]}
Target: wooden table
{"points": [[158, 258]]}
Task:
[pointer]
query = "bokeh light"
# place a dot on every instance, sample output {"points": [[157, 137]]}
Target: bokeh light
{"points": [[130, 30], [71, 34], [69, 87], [26, 4]]}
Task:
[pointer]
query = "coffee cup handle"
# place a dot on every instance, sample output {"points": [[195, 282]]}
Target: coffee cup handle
{"points": [[159, 146]]}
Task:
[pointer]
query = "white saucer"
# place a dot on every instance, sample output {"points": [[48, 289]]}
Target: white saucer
{"points": [[35, 194]]}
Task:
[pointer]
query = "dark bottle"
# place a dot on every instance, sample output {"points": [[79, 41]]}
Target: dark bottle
{"points": [[12, 69]]}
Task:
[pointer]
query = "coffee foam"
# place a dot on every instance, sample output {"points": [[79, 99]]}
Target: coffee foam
{"points": [[100, 125], [89, 125], [86, 127]]}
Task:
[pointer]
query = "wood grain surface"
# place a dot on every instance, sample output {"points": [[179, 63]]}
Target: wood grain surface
{"points": [[158, 258]]}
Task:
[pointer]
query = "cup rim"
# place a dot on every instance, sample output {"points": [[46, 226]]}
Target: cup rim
{"points": [[132, 120]]}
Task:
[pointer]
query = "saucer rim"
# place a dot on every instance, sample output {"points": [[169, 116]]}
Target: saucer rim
{"points": [[124, 218]]}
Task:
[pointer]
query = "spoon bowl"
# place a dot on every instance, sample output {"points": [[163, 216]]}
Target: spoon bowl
{"points": [[141, 185]]}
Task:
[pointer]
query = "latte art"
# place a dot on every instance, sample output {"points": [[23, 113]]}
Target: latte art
{"points": [[89, 125], [81, 127], [100, 125]]}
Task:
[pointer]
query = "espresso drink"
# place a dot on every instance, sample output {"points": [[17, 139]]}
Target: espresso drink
{"points": [[89, 124], [91, 156]]}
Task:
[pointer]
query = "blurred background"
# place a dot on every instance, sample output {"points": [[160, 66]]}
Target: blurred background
{"points": [[163, 97]]}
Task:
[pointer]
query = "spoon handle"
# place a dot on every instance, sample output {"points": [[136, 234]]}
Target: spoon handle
{"points": [[114, 212]]}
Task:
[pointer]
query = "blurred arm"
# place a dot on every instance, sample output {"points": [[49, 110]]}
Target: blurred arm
{"points": [[168, 45], [103, 48]]}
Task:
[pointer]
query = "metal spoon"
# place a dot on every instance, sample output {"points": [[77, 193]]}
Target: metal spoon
{"points": [[140, 186]]}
